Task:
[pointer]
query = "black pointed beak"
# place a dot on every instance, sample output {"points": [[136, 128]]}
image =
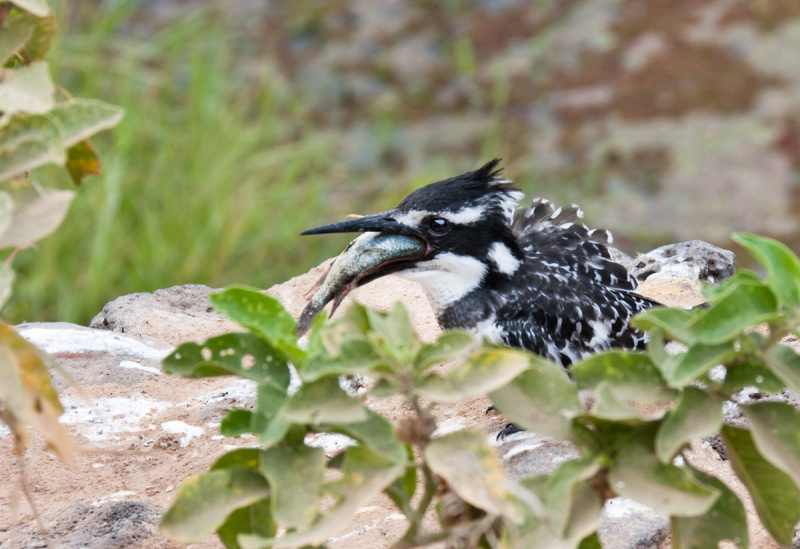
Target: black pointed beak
{"points": [[379, 223]]}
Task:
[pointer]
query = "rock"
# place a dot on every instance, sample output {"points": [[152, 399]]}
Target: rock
{"points": [[174, 315], [94, 357], [116, 525], [525, 454], [625, 524], [692, 260]]}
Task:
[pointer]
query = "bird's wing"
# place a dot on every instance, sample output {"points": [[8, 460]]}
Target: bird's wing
{"points": [[558, 237]]}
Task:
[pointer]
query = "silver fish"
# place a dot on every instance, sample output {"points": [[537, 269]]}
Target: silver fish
{"points": [[363, 256]]}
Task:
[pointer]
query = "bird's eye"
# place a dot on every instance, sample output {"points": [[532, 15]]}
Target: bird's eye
{"points": [[439, 226]]}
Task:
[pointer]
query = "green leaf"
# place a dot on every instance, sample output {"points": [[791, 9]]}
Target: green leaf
{"points": [[745, 304], [591, 542], [38, 218], [470, 467], [27, 89], [562, 487], [357, 357], [354, 324], [16, 32], [698, 414], [450, 345], [241, 354], [296, 476], [637, 474], [82, 161], [783, 267], [631, 374], [43, 30], [6, 283], [775, 496], [713, 292], [402, 490], [775, 428], [784, 362], [674, 322], [241, 457], [253, 519], [393, 333], [266, 419], [610, 406], [236, 422], [366, 474], [484, 371], [686, 367], [39, 8], [376, 433], [262, 314], [726, 520], [750, 373], [204, 501], [30, 140], [323, 401], [540, 399]]}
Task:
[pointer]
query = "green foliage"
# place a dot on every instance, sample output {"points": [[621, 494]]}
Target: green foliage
{"points": [[629, 448], [38, 125]]}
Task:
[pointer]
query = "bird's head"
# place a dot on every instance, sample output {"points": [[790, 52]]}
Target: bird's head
{"points": [[465, 222]]}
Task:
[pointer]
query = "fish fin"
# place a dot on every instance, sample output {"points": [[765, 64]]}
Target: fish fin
{"points": [[338, 299]]}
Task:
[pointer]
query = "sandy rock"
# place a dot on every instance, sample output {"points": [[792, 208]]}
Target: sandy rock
{"points": [[174, 315], [116, 525]]}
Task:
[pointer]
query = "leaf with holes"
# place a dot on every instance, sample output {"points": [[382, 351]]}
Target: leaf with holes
{"points": [[726, 520], [674, 322], [632, 375], [637, 474], [322, 401], [27, 89], [540, 399], [27, 396], [698, 415], [263, 315], [745, 304], [242, 354], [486, 370], [783, 267], [775, 496], [296, 475], [366, 474], [82, 161], [470, 467], [784, 362], [687, 367], [204, 502], [37, 219], [775, 428]]}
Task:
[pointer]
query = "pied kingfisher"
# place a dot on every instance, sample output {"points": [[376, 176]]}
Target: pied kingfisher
{"points": [[538, 279]]}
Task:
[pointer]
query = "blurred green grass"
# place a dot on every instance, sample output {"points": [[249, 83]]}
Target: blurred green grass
{"points": [[207, 180]]}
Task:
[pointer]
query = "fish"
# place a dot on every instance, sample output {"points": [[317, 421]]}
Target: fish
{"points": [[365, 255]]}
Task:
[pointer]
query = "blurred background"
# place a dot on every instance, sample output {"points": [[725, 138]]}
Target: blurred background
{"points": [[251, 120]]}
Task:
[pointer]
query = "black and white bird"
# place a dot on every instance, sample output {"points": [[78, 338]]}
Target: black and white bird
{"points": [[538, 279]]}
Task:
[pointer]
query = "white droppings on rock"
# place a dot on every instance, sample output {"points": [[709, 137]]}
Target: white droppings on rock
{"points": [[450, 425], [180, 428], [68, 340], [331, 443], [116, 496], [105, 418], [520, 448], [622, 507], [136, 366]]}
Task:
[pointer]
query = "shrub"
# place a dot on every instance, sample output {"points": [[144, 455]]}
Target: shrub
{"points": [[249, 493]]}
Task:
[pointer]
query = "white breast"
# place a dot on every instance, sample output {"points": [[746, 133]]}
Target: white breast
{"points": [[447, 278]]}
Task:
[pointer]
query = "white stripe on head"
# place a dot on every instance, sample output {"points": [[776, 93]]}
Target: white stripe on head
{"points": [[464, 216], [410, 219], [447, 277], [503, 258]]}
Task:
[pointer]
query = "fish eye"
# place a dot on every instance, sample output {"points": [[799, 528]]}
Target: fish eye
{"points": [[438, 226]]}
